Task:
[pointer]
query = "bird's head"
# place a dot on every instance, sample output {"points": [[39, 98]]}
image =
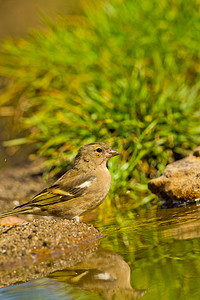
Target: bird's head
{"points": [[94, 154]]}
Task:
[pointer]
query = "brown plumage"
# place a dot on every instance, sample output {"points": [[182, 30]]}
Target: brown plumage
{"points": [[79, 190]]}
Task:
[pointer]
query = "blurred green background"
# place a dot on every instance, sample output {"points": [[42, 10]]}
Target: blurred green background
{"points": [[121, 72]]}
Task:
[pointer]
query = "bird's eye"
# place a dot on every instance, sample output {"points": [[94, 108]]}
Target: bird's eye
{"points": [[99, 150]]}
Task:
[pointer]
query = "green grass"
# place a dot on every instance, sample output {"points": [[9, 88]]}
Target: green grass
{"points": [[125, 73]]}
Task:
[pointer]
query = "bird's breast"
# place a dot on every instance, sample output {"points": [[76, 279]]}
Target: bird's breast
{"points": [[102, 184]]}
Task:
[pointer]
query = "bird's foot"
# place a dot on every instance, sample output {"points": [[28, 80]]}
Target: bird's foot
{"points": [[76, 219]]}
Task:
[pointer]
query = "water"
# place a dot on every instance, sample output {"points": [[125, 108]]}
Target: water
{"points": [[152, 254]]}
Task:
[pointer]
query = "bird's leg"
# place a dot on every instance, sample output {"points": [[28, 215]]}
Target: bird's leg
{"points": [[76, 219]]}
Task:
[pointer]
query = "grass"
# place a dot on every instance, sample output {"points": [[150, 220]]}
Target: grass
{"points": [[125, 73]]}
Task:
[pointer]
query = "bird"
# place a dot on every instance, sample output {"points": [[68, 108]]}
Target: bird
{"points": [[78, 191]]}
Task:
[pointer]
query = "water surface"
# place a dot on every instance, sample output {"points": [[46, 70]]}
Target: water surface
{"points": [[151, 254]]}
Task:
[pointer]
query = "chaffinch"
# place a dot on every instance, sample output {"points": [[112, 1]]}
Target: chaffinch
{"points": [[78, 191]]}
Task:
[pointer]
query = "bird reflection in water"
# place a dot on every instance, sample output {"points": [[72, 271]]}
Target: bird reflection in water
{"points": [[102, 272]]}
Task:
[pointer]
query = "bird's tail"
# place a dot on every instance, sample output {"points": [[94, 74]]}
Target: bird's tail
{"points": [[17, 210]]}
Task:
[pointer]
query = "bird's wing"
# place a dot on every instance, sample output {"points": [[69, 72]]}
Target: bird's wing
{"points": [[71, 185]]}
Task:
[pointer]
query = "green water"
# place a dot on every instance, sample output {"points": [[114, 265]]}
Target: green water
{"points": [[153, 254]]}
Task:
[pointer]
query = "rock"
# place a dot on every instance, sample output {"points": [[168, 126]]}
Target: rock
{"points": [[37, 248], [180, 180]]}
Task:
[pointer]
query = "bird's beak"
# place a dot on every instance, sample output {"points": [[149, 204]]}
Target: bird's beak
{"points": [[112, 153]]}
